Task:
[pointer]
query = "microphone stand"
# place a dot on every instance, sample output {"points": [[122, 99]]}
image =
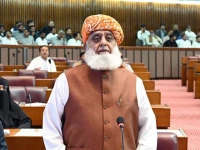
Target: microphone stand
{"points": [[122, 132]]}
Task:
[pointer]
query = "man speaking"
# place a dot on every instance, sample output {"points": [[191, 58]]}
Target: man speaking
{"points": [[86, 100]]}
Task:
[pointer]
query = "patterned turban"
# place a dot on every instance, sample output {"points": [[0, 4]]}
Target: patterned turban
{"points": [[102, 22]]}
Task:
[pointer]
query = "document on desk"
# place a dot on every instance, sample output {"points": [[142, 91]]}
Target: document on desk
{"points": [[29, 132], [6, 132], [35, 104]]}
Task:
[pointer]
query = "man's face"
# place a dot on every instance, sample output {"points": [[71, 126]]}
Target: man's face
{"points": [[162, 27], [175, 27], [152, 33], [32, 28], [185, 37], [143, 28], [102, 42], [51, 24], [44, 52], [69, 32], [42, 35], [78, 37], [189, 28], [174, 38], [60, 35], [1, 29], [21, 28], [26, 33], [170, 32], [31, 24], [198, 39], [53, 31], [8, 34]]}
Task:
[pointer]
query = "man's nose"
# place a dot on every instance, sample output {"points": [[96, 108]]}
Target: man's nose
{"points": [[103, 42]]}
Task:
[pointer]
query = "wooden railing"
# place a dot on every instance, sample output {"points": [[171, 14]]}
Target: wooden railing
{"points": [[161, 62]]}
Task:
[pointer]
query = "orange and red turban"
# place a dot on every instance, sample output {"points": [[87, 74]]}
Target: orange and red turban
{"points": [[102, 22]]}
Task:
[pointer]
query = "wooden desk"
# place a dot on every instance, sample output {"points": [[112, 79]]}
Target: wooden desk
{"points": [[53, 75], [197, 80], [154, 96], [62, 68], [162, 113], [12, 67], [184, 71], [143, 75], [149, 84], [35, 142], [45, 83], [8, 73], [137, 64], [140, 69]]}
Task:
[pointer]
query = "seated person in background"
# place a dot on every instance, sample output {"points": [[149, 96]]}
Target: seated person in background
{"points": [[11, 114], [3, 144], [76, 41], [196, 44], [41, 40], [153, 40], [47, 29], [33, 32], [82, 61], [143, 34], [42, 62], [68, 34], [184, 42], [171, 42], [181, 35], [59, 39], [17, 34], [2, 30], [29, 24], [191, 35], [26, 39], [52, 33], [175, 31], [161, 33], [15, 28], [8, 39], [170, 32]]}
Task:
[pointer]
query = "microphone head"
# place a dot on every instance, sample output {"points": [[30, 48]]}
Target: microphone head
{"points": [[120, 121], [49, 61]]}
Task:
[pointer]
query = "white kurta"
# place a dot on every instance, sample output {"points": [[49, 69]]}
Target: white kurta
{"points": [[39, 62], [11, 41], [73, 42], [40, 41], [191, 35], [156, 41], [50, 35], [195, 45], [52, 125], [183, 43], [143, 35]]}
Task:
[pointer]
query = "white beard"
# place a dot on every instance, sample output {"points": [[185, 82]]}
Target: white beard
{"points": [[104, 61]]}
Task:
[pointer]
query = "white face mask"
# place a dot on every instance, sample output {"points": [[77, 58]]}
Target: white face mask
{"points": [[104, 61]]}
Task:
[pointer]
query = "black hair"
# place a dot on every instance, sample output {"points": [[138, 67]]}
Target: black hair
{"points": [[52, 28], [162, 24], [1, 25], [143, 25], [81, 54], [76, 34], [198, 37], [29, 21], [172, 35], [7, 31], [67, 28], [42, 47]]}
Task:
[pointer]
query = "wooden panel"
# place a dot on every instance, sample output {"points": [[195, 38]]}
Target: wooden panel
{"points": [[12, 68], [143, 75], [154, 96], [140, 69], [129, 14], [149, 84], [8, 73], [45, 83]]}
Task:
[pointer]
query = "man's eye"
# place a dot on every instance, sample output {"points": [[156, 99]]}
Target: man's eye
{"points": [[109, 38], [96, 38]]}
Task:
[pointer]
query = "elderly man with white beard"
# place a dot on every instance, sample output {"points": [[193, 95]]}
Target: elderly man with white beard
{"points": [[86, 100]]}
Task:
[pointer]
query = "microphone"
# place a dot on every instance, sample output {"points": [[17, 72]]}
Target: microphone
{"points": [[50, 67], [29, 97], [120, 122], [13, 54]]}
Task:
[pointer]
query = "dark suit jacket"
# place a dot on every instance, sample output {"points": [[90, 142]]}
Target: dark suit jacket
{"points": [[3, 145], [158, 33]]}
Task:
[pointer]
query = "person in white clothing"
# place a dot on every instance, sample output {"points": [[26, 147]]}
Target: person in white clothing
{"points": [[196, 44], [42, 62], [143, 34], [184, 42], [87, 99], [153, 40], [8, 39], [191, 35], [76, 41], [41, 40], [51, 34]]}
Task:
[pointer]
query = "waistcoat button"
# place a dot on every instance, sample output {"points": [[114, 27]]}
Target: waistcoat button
{"points": [[105, 138]]}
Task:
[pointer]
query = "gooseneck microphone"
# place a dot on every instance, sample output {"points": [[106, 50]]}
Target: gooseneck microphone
{"points": [[50, 67], [120, 122], [29, 97]]}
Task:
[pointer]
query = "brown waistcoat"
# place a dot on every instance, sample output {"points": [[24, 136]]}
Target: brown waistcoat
{"points": [[96, 99]]}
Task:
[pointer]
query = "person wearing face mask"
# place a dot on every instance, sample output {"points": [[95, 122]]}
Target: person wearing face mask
{"points": [[190, 34], [196, 44], [87, 99], [153, 40]]}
